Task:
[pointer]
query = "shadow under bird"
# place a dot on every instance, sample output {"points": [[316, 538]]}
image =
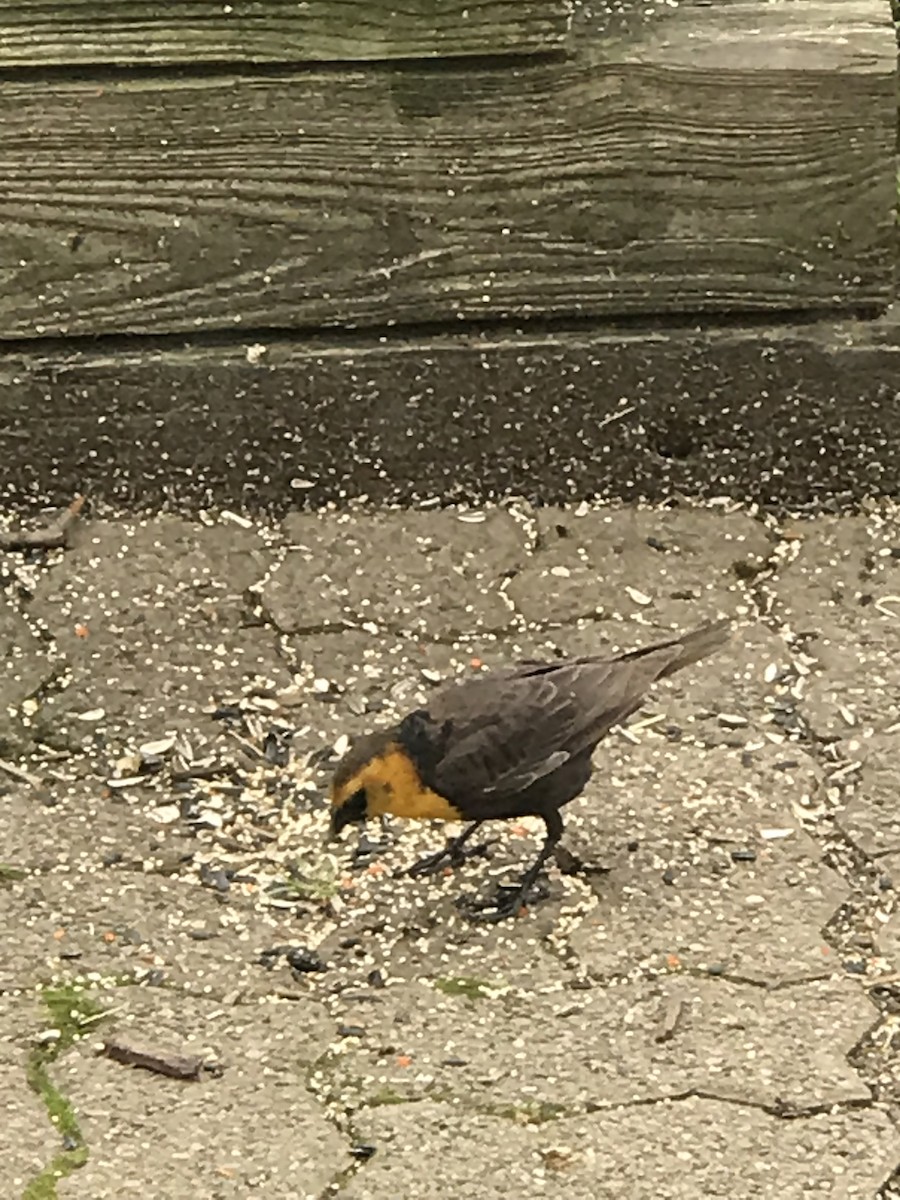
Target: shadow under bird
{"points": [[503, 745]]}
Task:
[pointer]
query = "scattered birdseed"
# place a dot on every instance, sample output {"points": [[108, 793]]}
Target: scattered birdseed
{"points": [[92, 715], [236, 519], [269, 809], [732, 720], [637, 596], [158, 748], [166, 814]]}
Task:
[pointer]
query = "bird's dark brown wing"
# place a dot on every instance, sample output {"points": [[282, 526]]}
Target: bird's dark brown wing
{"points": [[497, 734]]}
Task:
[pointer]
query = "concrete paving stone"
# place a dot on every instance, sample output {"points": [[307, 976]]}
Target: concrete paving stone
{"points": [[374, 677], [706, 864], [408, 929], [830, 597], [842, 565], [251, 1134], [125, 924], [672, 566], [434, 575], [150, 617], [564, 1051], [64, 823], [274, 1032], [853, 692], [667, 1151], [871, 817], [854, 688]]}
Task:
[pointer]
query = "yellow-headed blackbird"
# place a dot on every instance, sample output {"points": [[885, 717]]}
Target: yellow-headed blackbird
{"points": [[502, 745]]}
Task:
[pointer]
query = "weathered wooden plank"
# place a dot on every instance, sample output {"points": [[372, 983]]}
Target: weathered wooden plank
{"points": [[786, 418], [689, 170], [51, 32]]}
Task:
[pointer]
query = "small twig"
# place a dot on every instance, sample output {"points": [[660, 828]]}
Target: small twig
{"points": [[245, 744], [669, 1021], [122, 1049], [51, 537], [21, 774]]}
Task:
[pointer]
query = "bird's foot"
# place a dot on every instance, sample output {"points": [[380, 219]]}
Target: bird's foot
{"points": [[450, 856], [366, 851], [507, 901]]}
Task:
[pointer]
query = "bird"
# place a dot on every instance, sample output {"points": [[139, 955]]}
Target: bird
{"points": [[501, 745]]}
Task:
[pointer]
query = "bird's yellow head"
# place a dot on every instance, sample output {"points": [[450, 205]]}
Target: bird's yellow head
{"points": [[361, 786], [378, 777]]}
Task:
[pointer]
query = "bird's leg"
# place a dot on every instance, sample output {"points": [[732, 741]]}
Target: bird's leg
{"points": [[451, 855], [509, 901]]}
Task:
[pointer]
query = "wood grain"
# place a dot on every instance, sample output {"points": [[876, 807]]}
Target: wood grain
{"points": [[51, 32], [665, 174], [784, 417]]}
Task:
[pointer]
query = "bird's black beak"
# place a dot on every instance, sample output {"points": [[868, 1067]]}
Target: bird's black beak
{"points": [[352, 812], [339, 819]]}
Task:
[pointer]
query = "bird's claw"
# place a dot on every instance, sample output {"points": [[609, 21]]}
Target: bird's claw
{"points": [[449, 856], [508, 901], [365, 851]]}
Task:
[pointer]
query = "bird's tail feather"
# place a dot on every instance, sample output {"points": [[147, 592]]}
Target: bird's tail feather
{"points": [[688, 647]]}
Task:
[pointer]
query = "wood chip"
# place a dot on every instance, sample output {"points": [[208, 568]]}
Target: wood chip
{"points": [[671, 1015], [121, 1048]]}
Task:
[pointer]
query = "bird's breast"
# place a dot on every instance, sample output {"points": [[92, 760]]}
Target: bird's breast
{"points": [[394, 787]]}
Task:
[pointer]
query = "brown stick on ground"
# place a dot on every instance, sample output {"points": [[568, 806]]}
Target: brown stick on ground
{"points": [[51, 537], [153, 1058], [671, 1015]]}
